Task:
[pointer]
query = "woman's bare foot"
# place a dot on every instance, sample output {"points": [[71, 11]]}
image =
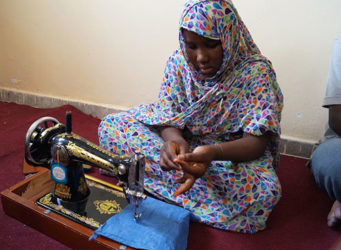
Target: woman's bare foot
{"points": [[334, 216]]}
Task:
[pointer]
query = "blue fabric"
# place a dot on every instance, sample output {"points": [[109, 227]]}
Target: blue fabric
{"points": [[161, 226]]}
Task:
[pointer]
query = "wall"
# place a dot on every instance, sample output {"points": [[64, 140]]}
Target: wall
{"points": [[112, 53], [297, 36]]}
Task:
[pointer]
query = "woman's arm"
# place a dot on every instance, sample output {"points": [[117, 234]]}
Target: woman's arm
{"points": [[248, 148]]}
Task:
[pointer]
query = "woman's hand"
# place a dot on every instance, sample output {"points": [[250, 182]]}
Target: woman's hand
{"points": [[194, 166], [169, 152], [191, 171], [174, 145], [202, 154]]}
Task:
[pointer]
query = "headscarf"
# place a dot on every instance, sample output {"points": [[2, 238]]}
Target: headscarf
{"points": [[218, 20], [243, 95]]}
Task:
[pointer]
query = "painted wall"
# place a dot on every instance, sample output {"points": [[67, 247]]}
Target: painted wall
{"points": [[113, 52]]}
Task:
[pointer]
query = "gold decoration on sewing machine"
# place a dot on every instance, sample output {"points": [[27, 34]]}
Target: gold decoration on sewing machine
{"points": [[71, 135], [77, 151], [46, 201], [104, 201], [102, 150], [62, 191], [107, 206], [83, 187], [117, 191]]}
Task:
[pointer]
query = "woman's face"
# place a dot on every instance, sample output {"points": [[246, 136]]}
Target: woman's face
{"points": [[205, 54]]}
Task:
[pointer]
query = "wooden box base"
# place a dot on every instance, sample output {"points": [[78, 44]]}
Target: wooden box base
{"points": [[19, 202]]}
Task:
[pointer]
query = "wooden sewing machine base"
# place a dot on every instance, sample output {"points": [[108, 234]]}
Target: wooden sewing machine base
{"points": [[19, 202]]}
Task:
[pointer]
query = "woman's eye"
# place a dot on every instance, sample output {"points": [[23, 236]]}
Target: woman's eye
{"points": [[213, 45], [190, 46]]}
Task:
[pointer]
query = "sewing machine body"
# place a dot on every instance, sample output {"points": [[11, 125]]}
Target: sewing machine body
{"points": [[53, 145]]}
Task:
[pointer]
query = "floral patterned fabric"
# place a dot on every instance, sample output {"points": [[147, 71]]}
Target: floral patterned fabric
{"points": [[243, 97]]}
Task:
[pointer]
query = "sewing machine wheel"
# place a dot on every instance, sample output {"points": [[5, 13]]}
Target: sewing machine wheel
{"points": [[36, 150]]}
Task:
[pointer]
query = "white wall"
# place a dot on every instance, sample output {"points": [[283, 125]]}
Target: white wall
{"points": [[297, 36], [113, 52]]}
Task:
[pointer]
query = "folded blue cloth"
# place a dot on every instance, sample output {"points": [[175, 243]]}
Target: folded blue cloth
{"points": [[161, 226]]}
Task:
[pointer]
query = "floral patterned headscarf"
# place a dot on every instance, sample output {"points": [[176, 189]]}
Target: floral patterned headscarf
{"points": [[218, 20]]}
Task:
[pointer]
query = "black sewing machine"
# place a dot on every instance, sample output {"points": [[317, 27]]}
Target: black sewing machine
{"points": [[51, 144]]}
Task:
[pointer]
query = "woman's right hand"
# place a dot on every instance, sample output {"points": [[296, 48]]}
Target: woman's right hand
{"points": [[169, 152], [174, 145]]}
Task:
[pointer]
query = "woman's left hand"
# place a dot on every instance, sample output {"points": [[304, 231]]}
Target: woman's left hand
{"points": [[203, 154], [191, 171], [194, 166]]}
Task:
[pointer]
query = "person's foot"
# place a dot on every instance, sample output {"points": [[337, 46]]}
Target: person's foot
{"points": [[334, 216]]}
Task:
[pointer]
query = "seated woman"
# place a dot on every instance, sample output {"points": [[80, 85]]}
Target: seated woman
{"points": [[211, 139]]}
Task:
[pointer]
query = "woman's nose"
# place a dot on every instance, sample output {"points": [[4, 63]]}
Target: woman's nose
{"points": [[202, 56]]}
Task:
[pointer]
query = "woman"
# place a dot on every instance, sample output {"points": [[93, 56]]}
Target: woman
{"points": [[211, 139]]}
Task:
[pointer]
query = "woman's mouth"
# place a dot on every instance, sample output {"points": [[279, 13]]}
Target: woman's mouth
{"points": [[207, 71]]}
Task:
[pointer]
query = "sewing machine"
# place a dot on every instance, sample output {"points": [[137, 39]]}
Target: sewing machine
{"points": [[51, 144]]}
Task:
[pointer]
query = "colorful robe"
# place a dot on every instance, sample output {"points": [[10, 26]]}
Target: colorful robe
{"points": [[243, 97]]}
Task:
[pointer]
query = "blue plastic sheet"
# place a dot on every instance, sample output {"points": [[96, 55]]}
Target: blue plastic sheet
{"points": [[161, 226]]}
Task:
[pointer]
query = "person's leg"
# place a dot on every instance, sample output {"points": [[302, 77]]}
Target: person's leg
{"points": [[326, 168], [120, 133]]}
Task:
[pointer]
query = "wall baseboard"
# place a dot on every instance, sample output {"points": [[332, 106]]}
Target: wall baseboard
{"points": [[297, 148], [288, 146], [40, 101]]}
